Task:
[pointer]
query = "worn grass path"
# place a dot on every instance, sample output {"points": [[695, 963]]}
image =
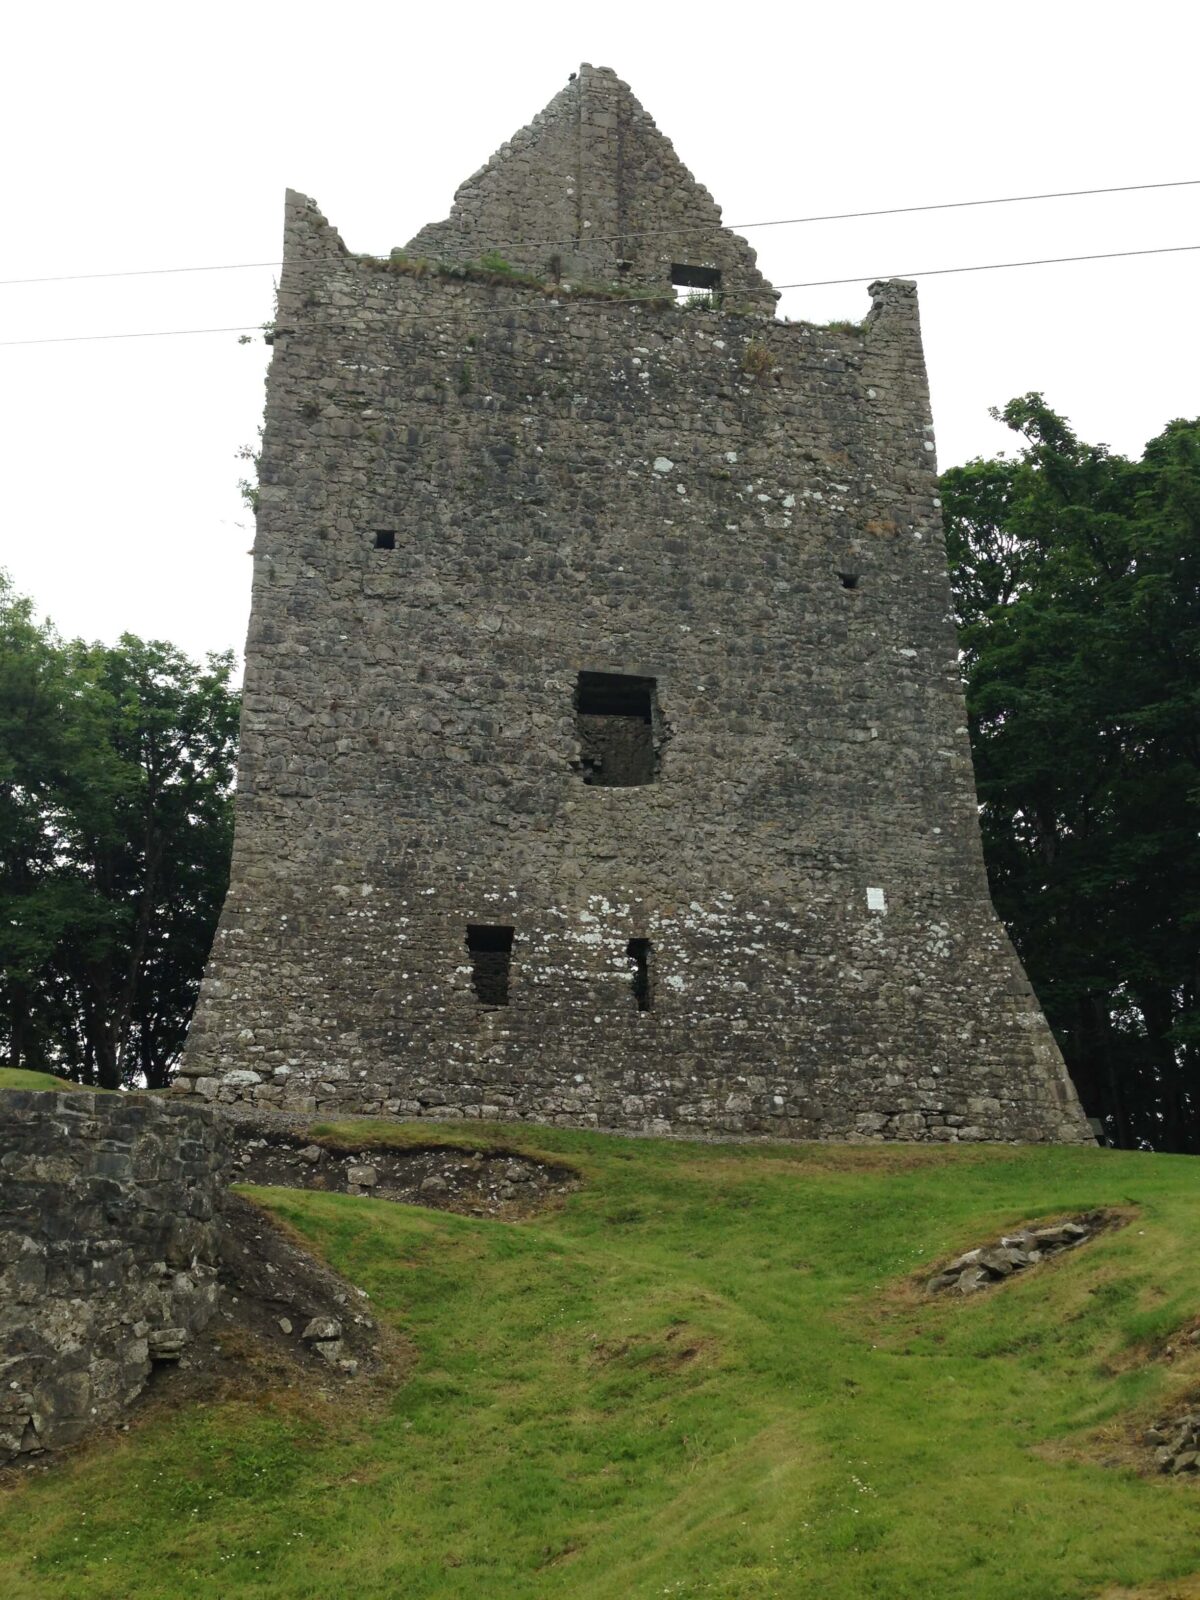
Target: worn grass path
{"points": [[704, 1375]]}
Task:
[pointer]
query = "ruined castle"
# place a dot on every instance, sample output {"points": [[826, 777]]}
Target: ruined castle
{"points": [[604, 757]]}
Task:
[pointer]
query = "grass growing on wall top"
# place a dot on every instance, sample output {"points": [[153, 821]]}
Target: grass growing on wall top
{"points": [[706, 1374], [21, 1078]]}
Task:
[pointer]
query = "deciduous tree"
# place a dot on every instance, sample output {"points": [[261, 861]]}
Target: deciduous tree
{"points": [[116, 767], [1076, 578]]}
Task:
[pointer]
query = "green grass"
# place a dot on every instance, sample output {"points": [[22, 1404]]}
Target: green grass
{"points": [[706, 1374], [19, 1078]]}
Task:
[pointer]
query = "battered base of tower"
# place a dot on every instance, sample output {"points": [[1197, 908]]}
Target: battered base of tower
{"points": [[752, 1018], [922, 1116]]}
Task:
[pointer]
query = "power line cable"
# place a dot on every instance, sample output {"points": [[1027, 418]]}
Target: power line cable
{"points": [[152, 333], [142, 272], [625, 300], [957, 205], [998, 266], [737, 227], [841, 216]]}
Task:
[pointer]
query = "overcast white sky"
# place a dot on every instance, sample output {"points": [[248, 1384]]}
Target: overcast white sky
{"points": [[142, 136]]}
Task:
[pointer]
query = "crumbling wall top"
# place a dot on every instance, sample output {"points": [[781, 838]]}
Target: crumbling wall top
{"points": [[592, 191]]}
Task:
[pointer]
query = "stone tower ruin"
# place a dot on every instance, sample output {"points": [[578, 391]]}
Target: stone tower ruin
{"points": [[603, 754]]}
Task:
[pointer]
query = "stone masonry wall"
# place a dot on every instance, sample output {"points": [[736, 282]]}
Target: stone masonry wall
{"points": [[740, 509], [108, 1253], [591, 191]]}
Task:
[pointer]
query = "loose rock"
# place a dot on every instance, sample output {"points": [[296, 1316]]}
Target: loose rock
{"points": [[1014, 1253], [322, 1329]]}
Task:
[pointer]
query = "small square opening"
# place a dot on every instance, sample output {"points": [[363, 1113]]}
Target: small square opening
{"points": [[614, 720], [849, 580], [490, 948], [638, 952], [385, 538]]}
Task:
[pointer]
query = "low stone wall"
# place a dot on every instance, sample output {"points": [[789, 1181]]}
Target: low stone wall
{"points": [[108, 1253]]}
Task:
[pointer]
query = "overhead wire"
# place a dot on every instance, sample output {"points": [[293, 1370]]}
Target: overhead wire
{"points": [[816, 283], [956, 205], [999, 266], [150, 333], [736, 227], [141, 272]]}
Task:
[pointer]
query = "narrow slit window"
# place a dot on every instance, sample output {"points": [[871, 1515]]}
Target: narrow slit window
{"points": [[639, 953], [385, 538], [490, 949], [695, 285], [614, 718]]}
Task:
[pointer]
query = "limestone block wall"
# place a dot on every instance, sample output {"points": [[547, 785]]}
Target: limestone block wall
{"points": [[108, 1253]]}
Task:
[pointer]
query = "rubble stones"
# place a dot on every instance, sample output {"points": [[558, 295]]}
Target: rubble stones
{"points": [[482, 1183], [980, 1268], [971, 1279], [1178, 1444], [166, 1344]]}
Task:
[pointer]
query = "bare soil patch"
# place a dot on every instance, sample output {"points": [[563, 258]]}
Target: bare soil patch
{"points": [[1169, 1589]]}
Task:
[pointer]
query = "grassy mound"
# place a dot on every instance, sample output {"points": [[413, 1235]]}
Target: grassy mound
{"points": [[708, 1373], [18, 1078]]}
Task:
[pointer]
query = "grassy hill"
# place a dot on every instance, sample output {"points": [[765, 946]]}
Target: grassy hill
{"points": [[709, 1373], [20, 1078]]}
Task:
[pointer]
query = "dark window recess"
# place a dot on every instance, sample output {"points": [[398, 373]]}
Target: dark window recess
{"points": [[614, 718], [490, 948], [385, 539], [687, 277], [849, 580], [639, 951]]}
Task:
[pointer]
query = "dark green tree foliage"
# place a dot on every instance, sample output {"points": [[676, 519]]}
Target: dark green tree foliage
{"points": [[116, 770], [1076, 578]]}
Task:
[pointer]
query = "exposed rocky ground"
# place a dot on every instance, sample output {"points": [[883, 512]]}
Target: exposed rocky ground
{"points": [[1176, 1443], [283, 1321], [1016, 1252], [285, 1317], [274, 1287], [493, 1183]]}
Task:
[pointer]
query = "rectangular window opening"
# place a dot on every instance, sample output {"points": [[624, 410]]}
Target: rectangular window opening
{"points": [[385, 539], [695, 285], [639, 952], [615, 723], [490, 949], [849, 580]]}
